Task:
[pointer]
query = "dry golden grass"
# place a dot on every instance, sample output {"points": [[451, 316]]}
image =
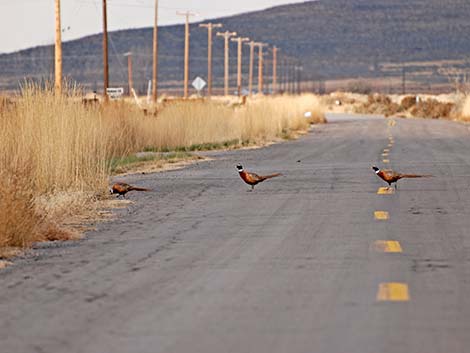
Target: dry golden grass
{"points": [[56, 154], [189, 123], [463, 113], [20, 222]]}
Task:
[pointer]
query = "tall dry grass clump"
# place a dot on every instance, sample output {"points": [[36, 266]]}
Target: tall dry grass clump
{"points": [[56, 153], [52, 151], [20, 222], [65, 144], [464, 110]]}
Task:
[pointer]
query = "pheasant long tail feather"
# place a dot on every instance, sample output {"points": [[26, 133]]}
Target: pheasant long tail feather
{"points": [[414, 176], [134, 188], [264, 177]]}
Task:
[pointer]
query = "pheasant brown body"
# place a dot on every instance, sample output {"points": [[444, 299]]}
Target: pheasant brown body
{"points": [[391, 177], [122, 189], [253, 178]]}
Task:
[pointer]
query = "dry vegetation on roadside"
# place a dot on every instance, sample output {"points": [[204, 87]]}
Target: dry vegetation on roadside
{"points": [[464, 110], [426, 106], [56, 155]]}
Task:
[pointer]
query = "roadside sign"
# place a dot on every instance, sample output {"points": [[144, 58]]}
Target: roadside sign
{"points": [[199, 84], [245, 92], [115, 92]]}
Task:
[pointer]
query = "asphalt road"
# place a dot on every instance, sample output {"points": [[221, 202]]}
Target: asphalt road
{"points": [[200, 265]]}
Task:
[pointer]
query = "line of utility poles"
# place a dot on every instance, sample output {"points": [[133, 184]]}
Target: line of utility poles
{"points": [[290, 72], [291, 75]]}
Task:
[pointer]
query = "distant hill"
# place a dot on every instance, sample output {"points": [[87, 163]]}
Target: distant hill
{"points": [[332, 38]]}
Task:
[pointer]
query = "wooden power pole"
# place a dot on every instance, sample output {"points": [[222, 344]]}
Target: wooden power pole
{"points": [[275, 50], [210, 27], [155, 56], [58, 50], [105, 51], [129, 71], [403, 80], [252, 45], [260, 67], [226, 35], [240, 41], [186, 51]]}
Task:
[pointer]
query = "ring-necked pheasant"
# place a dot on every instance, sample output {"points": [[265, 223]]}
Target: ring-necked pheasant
{"points": [[122, 189], [391, 177], [252, 178]]}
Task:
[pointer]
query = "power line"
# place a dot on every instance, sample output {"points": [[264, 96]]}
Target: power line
{"points": [[172, 8]]}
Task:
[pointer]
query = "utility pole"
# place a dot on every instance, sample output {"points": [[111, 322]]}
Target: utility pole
{"points": [[260, 66], [58, 50], [280, 77], [129, 71], [403, 80], [240, 41], [296, 78], [155, 56], [186, 51], [299, 78], [283, 75], [290, 83], [210, 27], [252, 45], [105, 51], [226, 35], [275, 50]]}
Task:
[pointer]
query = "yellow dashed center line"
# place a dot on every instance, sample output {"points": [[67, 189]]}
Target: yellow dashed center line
{"points": [[385, 191], [392, 122], [386, 161], [381, 215], [388, 246], [386, 150], [393, 292], [384, 154]]}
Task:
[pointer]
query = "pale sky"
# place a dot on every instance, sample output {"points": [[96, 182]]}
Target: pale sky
{"points": [[26, 23]]}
